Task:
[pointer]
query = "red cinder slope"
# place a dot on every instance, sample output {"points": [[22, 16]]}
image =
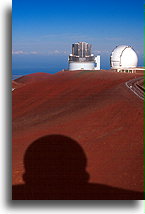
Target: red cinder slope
{"points": [[94, 108]]}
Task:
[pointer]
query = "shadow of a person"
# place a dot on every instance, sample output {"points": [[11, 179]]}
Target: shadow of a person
{"points": [[55, 169]]}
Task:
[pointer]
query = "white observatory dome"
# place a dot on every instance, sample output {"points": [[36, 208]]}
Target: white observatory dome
{"points": [[123, 56]]}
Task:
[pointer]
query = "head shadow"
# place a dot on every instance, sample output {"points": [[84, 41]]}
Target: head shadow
{"points": [[55, 169], [55, 160]]}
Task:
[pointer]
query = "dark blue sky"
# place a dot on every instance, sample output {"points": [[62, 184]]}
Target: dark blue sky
{"points": [[43, 31]]}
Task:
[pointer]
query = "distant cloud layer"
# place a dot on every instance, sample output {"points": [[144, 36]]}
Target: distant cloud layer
{"points": [[58, 52], [49, 52], [21, 52], [101, 52]]}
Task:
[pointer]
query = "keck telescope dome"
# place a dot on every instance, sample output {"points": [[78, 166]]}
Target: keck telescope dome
{"points": [[123, 56]]}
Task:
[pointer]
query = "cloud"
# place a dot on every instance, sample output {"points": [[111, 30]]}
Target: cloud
{"points": [[21, 52], [45, 53], [34, 52], [101, 52], [49, 52], [57, 52]]}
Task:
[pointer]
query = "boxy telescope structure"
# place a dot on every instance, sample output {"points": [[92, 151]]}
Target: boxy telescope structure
{"points": [[82, 58]]}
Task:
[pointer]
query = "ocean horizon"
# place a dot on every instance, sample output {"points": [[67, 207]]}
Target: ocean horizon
{"points": [[25, 64], [16, 73], [19, 71]]}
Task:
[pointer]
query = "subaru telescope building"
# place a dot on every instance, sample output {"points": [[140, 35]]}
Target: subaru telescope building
{"points": [[82, 58]]}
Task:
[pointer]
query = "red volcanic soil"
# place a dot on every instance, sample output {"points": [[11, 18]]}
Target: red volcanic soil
{"points": [[95, 109]]}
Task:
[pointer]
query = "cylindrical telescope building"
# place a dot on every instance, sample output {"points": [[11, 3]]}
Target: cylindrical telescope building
{"points": [[82, 58]]}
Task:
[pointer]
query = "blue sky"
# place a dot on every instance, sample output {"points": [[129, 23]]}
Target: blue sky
{"points": [[43, 31]]}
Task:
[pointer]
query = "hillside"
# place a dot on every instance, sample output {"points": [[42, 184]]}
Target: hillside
{"points": [[95, 109]]}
